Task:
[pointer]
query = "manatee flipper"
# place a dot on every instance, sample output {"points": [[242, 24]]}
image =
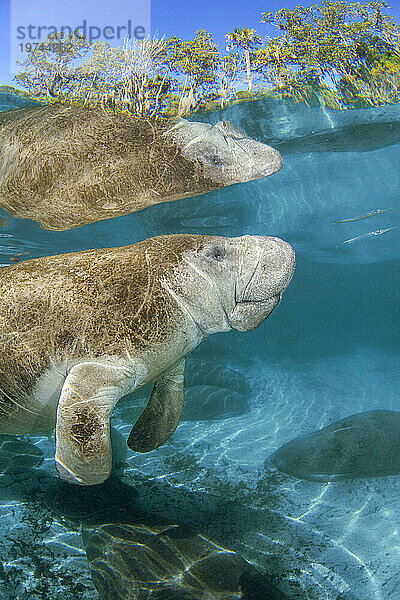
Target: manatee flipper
{"points": [[161, 416], [83, 445]]}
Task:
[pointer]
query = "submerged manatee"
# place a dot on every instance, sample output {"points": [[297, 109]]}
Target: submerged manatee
{"points": [[69, 166], [167, 561], [363, 445], [81, 330], [361, 137], [214, 391]]}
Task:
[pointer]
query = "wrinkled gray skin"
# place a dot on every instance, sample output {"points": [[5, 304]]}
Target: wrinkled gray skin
{"points": [[366, 444], [131, 319], [226, 153]]}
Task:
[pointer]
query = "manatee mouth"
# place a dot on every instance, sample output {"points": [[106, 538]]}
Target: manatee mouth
{"points": [[267, 163], [268, 303], [248, 314]]}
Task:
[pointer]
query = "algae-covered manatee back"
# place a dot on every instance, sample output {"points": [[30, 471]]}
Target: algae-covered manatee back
{"points": [[69, 166]]}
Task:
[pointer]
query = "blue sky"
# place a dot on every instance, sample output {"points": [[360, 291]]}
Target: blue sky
{"points": [[181, 18]]}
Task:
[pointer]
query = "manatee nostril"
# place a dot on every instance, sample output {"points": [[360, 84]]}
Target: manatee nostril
{"points": [[230, 130], [214, 160], [286, 248]]}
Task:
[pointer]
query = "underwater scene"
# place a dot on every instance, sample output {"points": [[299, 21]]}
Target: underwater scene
{"points": [[282, 479]]}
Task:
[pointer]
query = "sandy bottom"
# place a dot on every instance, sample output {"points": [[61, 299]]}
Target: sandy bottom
{"points": [[318, 540]]}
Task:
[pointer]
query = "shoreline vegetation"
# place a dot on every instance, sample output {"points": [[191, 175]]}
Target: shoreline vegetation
{"points": [[336, 54]]}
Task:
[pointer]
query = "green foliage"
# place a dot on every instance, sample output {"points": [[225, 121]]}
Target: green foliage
{"points": [[133, 78], [50, 68], [194, 64], [246, 40], [197, 59], [337, 54], [352, 49]]}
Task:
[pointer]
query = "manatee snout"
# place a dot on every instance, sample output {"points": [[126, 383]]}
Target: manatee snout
{"points": [[275, 269], [251, 158], [274, 264], [271, 262], [225, 154]]}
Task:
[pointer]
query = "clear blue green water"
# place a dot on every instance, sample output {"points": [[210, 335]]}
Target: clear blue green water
{"points": [[331, 349]]}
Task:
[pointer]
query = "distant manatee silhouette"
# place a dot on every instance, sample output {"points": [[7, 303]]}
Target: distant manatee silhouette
{"points": [[214, 391], [360, 137], [366, 444]]}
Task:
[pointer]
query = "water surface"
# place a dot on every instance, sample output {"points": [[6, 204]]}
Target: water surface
{"points": [[330, 350]]}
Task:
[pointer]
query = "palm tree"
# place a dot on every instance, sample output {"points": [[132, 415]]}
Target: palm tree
{"points": [[246, 39]]}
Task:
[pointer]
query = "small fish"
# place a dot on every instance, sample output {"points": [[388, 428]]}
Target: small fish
{"points": [[365, 235], [3, 222], [372, 213]]}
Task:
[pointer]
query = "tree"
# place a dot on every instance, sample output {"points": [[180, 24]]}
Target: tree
{"points": [[51, 67], [228, 73], [195, 63], [246, 40], [349, 49], [334, 53]]}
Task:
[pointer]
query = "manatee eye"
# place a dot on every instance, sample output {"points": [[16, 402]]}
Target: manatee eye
{"points": [[218, 254]]}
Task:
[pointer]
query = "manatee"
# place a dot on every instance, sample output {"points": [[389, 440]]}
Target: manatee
{"points": [[68, 166], [361, 137], [167, 561], [366, 444], [214, 391], [79, 331]]}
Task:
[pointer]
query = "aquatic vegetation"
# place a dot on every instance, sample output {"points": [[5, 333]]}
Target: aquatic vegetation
{"points": [[365, 235], [366, 444]]}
